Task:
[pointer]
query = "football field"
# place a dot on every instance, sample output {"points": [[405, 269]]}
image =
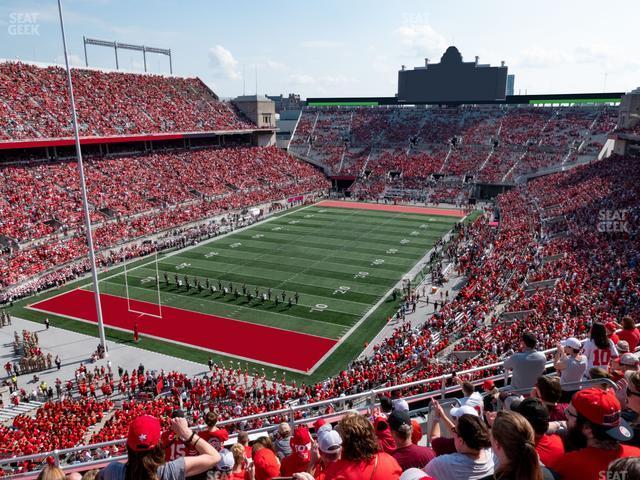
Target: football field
{"points": [[285, 292]]}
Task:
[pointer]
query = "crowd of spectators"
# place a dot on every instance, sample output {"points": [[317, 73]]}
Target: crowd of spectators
{"points": [[134, 197], [486, 143], [36, 106]]}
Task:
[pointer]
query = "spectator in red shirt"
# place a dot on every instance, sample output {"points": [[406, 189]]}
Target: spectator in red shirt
{"points": [[298, 460], [549, 447], [629, 333], [406, 453], [329, 446], [360, 455], [611, 331], [596, 428], [265, 461]]}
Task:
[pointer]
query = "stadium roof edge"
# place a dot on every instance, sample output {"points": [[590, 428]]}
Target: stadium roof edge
{"points": [[95, 69], [597, 97]]}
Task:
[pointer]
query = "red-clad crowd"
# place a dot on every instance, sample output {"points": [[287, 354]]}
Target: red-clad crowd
{"points": [[494, 145], [36, 106], [133, 197]]}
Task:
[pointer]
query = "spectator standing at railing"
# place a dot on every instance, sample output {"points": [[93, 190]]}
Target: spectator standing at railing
{"points": [[599, 349], [596, 429], [570, 364], [526, 365]]}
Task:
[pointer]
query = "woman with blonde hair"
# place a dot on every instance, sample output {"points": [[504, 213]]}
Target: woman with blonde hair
{"points": [[239, 471], [51, 472]]}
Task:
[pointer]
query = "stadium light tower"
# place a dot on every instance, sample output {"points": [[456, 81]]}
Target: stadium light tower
{"points": [[83, 186]]}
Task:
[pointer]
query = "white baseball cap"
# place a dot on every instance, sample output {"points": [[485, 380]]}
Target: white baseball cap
{"points": [[400, 404], [457, 412], [571, 342], [329, 441]]}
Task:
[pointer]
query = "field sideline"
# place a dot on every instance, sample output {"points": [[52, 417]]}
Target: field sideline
{"points": [[341, 262]]}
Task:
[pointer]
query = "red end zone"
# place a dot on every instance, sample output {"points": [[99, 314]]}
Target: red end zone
{"points": [[283, 348], [449, 212]]}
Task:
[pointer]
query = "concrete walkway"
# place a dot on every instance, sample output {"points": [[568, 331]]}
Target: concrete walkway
{"points": [[424, 310], [76, 348]]}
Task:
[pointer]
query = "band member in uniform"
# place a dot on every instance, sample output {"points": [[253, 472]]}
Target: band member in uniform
{"points": [[236, 294], [277, 300], [212, 289], [284, 296], [166, 278], [290, 302], [269, 294], [199, 285], [257, 292], [297, 297], [175, 277], [206, 285], [244, 289], [219, 285]]}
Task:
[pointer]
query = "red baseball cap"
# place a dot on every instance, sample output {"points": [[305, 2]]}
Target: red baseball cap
{"points": [[301, 436], [610, 326], [221, 434], [488, 384], [601, 407], [144, 433]]}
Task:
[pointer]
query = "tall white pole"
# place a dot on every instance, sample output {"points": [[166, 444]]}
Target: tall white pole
{"points": [[83, 187]]}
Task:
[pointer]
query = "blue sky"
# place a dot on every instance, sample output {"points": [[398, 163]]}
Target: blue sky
{"points": [[340, 48]]}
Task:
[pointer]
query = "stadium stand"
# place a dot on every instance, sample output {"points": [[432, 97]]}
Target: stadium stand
{"points": [[35, 104], [553, 266], [492, 144], [132, 198]]}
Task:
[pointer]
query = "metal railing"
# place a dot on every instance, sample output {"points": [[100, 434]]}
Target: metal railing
{"points": [[363, 402]]}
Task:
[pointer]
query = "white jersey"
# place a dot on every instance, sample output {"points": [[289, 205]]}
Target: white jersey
{"points": [[599, 357]]}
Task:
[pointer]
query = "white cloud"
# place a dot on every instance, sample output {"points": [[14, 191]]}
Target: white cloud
{"points": [[320, 44], [223, 62], [421, 40]]}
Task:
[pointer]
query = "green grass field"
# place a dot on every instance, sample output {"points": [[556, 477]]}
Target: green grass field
{"points": [[341, 262]]}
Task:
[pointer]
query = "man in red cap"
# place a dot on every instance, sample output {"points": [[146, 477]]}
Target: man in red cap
{"points": [[300, 456], [595, 427]]}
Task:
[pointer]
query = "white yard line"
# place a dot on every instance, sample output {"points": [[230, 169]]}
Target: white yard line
{"points": [[373, 308], [206, 242]]}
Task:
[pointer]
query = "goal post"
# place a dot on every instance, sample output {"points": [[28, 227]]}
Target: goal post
{"points": [[151, 305]]}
